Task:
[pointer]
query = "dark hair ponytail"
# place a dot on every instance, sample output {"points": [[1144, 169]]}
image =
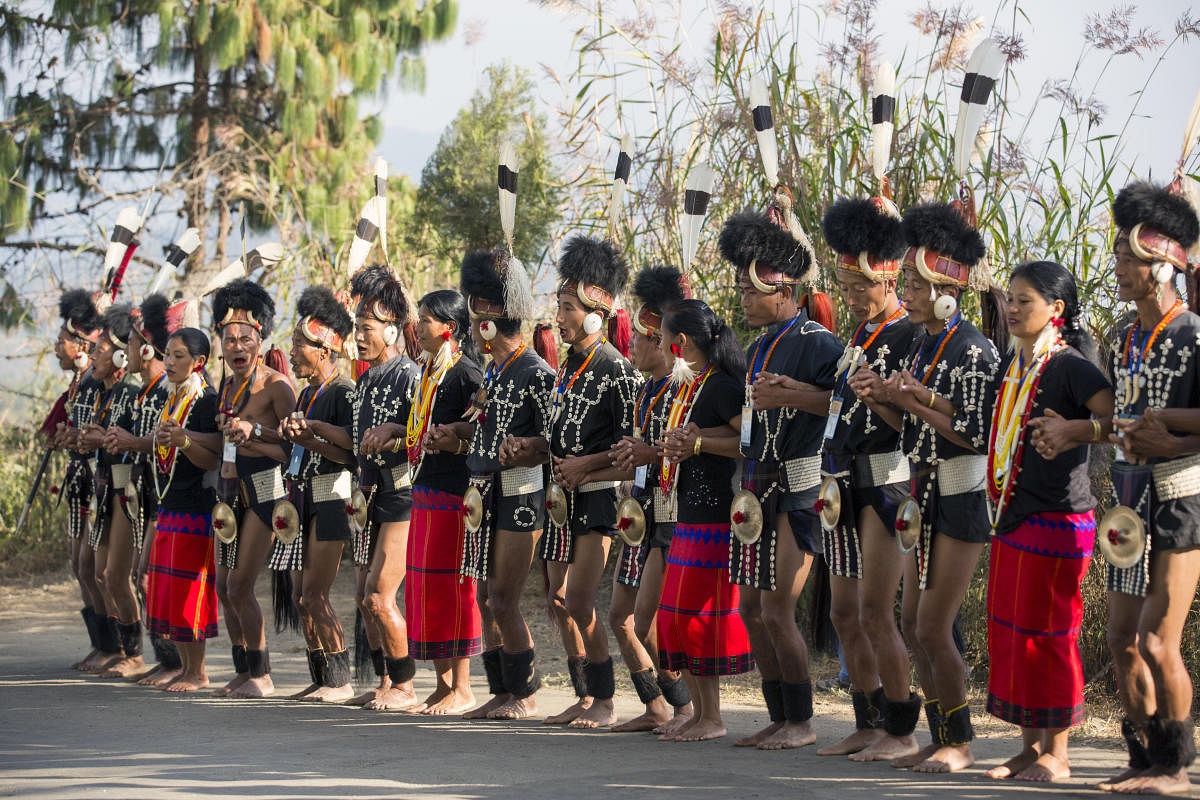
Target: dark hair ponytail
{"points": [[197, 344], [1053, 282], [710, 334], [446, 306], [993, 313]]}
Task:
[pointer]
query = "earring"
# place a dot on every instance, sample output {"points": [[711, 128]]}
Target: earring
{"points": [[945, 306], [592, 323], [146, 352], [390, 334], [676, 350], [80, 360], [119, 359]]}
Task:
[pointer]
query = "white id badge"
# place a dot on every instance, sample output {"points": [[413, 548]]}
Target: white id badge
{"points": [[747, 424], [835, 412], [639, 476], [229, 452], [297, 457]]}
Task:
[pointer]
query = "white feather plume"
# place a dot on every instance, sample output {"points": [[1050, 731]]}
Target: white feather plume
{"points": [[881, 132], [986, 62], [234, 270], [619, 185], [508, 199], [767, 147], [360, 246], [1191, 133], [518, 290], [185, 245], [127, 219], [268, 253], [700, 180], [381, 175], [265, 255]]}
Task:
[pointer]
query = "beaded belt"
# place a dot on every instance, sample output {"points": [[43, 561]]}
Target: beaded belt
{"points": [[267, 485], [388, 480], [520, 480], [120, 475], [961, 475], [801, 474], [664, 508], [1179, 477], [596, 486], [886, 468], [331, 486]]}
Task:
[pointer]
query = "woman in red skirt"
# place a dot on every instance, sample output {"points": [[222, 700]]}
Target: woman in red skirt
{"points": [[1052, 404], [182, 599], [700, 632], [443, 619]]}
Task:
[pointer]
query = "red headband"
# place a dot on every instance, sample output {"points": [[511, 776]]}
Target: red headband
{"points": [[319, 333], [1153, 245], [589, 294]]}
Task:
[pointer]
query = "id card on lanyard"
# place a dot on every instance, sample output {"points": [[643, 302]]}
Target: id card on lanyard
{"points": [[747, 419], [639, 476], [835, 413]]}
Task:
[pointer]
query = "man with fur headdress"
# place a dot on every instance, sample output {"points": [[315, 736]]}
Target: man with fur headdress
{"points": [[864, 461], [594, 396], [1157, 475], [73, 347], [253, 398], [791, 372], [506, 455]]}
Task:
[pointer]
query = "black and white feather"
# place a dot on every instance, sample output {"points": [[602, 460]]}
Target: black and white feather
{"points": [[264, 256], [506, 185], [381, 176], [620, 183], [983, 70], [883, 118], [120, 243], [365, 234], [176, 255], [764, 129], [696, 194]]}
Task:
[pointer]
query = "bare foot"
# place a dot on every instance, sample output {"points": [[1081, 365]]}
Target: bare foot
{"points": [[515, 708], [652, 719], [187, 683], [369, 695], [947, 759], [581, 705], [677, 723], [855, 742], [227, 689], [81, 664], [304, 693], [1111, 783], [124, 668], [484, 711], [102, 662], [701, 731], [159, 676], [887, 748], [1048, 768], [331, 694], [394, 698], [1156, 780], [439, 693], [791, 735], [600, 714], [910, 761], [255, 687], [455, 702], [754, 739], [1014, 765]]}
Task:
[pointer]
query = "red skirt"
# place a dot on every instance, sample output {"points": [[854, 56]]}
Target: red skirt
{"points": [[699, 628], [181, 603], [1035, 610], [439, 604]]}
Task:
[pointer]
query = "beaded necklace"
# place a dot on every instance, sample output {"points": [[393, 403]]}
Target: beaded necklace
{"points": [[681, 411], [559, 389], [855, 351], [760, 361], [646, 404], [232, 408], [177, 407], [421, 410], [1133, 380], [938, 347], [149, 388], [1018, 393]]}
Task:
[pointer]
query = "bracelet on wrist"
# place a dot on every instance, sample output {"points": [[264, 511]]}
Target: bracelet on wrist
{"points": [[932, 398], [696, 448]]}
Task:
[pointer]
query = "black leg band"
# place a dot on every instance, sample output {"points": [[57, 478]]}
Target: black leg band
{"points": [[377, 663], [1170, 743], [165, 651], [89, 621], [868, 711], [936, 720], [600, 682], [110, 634], [797, 701], [131, 638], [337, 671], [675, 692], [258, 662], [901, 716], [1138, 757], [494, 671], [318, 666], [240, 665], [578, 681], [521, 678], [401, 670], [959, 730], [773, 696], [647, 687]]}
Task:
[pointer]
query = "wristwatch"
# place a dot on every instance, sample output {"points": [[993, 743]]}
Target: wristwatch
{"points": [[258, 430]]}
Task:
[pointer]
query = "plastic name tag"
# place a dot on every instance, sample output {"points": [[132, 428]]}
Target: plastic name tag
{"points": [[639, 476], [1119, 453], [297, 456], [835, 413], [747, 424], [229, 452]]}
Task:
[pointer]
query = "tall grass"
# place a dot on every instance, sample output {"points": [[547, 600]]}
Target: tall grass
{"points": [[42, 544]]}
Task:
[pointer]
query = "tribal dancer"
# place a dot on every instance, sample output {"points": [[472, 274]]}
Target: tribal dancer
{"points": [[700, 635], [1157, 475], [139, 502], [320, 479], [254, 398], [181, 600], [443, 619], [1047, 414], [791, 370], [109, 526], [507, 455], [76, 340], [594, 396], [638, 582], [941, 404], [379, 412], [864, 461]]}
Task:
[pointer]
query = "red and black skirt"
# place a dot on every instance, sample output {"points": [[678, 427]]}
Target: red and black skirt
{"points": [[182, 600]]}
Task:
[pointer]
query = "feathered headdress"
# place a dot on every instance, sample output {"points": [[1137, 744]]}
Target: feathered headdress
{"points": [[324, 321], [150, 322], [243, 301], [79, 315], [593, 270], [118, 324], [1159, 225], [380, 294], [265, 255], [121, 244], [657, 288], [176, 255]]}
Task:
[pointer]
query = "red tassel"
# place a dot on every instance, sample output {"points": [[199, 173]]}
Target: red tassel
{"points": [[901, 524], [360, 367], [276, 360], [739, 517], [545, 345], [412, 345], [819, 308], [620, 332]]}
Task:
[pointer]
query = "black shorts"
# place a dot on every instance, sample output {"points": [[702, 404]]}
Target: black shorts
{"points": [[331, 520], [521, 513], [803, 518], [391, 506]]}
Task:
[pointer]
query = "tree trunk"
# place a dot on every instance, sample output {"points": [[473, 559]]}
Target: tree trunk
{"points": [[201, 131]]}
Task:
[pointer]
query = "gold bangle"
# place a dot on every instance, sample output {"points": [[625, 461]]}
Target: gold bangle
{"points": [[932, 398], [1096, 430], [696, 448], [187, 442], [462, 447], [396, 446]]}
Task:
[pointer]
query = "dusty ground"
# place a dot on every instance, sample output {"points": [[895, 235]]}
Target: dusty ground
{"points": [[65, 735]]}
